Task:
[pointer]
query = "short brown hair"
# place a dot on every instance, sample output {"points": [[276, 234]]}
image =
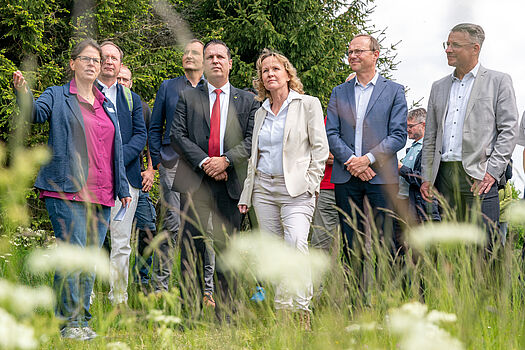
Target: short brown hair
{"points": [[374, 44], [77, 50], [108, 42], [293, 84]]}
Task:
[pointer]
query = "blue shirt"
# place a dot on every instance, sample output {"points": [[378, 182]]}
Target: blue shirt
{"points": [[362, 97], [409, 160]]}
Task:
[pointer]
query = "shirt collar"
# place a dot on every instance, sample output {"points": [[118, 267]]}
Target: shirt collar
{"points": [[420, 142], [188, 82], [473, 72], [292, 95], [373, 81], [107, 87], [225, 89], [98, 95]]}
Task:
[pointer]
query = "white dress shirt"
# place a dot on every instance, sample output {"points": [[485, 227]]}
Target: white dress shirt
{"points": [[362, 97], [271, 137], [110, 92], [457, 108], [225, 103]]}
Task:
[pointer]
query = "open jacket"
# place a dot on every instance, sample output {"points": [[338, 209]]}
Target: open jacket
{"points": [[67, 171], [305, 148]]}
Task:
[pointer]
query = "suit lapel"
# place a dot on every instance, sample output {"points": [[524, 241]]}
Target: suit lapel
{"points": [[72, 103], [291, 118], [205, 103], [233, 107], [476, 89], [378, 89], [350, 95], [445, 94]]}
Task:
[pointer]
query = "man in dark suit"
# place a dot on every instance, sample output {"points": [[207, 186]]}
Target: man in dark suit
{"points": [[164, 159], [211, 131], [133, 131], [366, 126]]}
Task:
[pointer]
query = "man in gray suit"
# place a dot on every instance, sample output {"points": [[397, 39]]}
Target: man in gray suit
{"points": [[471, 129]]}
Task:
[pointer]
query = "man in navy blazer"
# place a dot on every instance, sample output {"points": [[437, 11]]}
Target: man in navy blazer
{"points": [[366, 125], [165, 159], [133, 132]]}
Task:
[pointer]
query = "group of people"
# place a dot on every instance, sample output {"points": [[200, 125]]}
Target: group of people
{"points": [[220, 151]]}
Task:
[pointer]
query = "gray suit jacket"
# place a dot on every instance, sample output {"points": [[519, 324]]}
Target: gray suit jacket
{"points": [[489, 130]]}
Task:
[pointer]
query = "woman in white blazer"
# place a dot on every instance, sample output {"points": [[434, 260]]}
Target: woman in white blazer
{"points": [[289, 152]]}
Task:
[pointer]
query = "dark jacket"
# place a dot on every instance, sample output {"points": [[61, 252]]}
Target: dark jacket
{"points": [[67, 171], [134, 134], [162, 115], [191, 130], [417, 205]]}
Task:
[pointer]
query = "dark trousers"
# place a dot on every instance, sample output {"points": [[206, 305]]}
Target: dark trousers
{"points": [[454, 184], [350, 197], [211, 197]]}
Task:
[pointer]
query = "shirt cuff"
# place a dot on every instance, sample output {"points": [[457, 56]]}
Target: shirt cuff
{"points": [[202, 162], [371, 158]]}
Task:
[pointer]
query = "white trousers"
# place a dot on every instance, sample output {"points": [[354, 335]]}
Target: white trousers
{"points": [[121, 249], [290, 218]]}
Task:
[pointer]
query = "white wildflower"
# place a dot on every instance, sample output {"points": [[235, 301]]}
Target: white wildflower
{"points": [[70, 258], [117, 346], [436, 316], [418, 329], [516, 212], [157, 316], [365, 326], [14, 335], [24, 300], [271, 259], [434, 233]]}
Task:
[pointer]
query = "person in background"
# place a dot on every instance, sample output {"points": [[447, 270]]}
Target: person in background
{"points": [[288, 154], [85, 175], [410, 173], [128, 107], [165, 159], [145, 215]]}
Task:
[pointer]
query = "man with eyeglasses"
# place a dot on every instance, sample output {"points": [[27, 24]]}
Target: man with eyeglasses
{"points": [[134, 133], [410, 173], [470, 130], [366, 126]]}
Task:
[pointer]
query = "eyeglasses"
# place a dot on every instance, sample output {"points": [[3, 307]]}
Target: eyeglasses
{"points": [[412, 125], [86, 59], [455, 46], [357, 52]]}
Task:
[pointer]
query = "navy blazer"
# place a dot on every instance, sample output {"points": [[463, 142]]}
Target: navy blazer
{"points": [[134, 134], [68, 169], [191, 130], [162, 115], [384, 129]]}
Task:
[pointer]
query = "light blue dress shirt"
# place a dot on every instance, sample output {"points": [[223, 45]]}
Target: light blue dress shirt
{"points": [[271, 136], [409, 160], [362, 97]]}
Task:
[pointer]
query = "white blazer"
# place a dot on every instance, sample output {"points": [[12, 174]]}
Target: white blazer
{"points": [[305, 148]]}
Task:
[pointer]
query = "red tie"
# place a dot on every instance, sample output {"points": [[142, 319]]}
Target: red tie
{"points": [[214, 143]]}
